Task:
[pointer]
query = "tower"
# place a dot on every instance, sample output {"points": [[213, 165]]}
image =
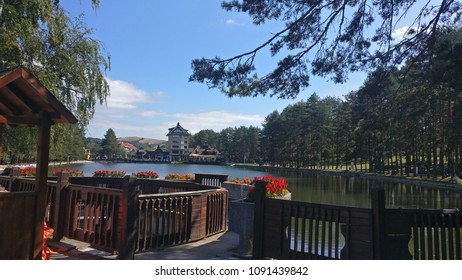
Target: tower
{"points": [[178, 142]]}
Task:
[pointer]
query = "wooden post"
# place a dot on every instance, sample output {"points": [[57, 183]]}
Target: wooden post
{"points": [[259, 216], [41, 178], [378, 210], [14, 173], [203, 219], [62, 184], [196, 216], [127, 230]]}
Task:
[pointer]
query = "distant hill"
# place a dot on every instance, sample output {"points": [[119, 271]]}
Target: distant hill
{"points": [[142, 142], [148, 144]]}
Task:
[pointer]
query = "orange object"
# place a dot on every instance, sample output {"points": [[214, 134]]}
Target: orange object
{"points": [[47, 233]]}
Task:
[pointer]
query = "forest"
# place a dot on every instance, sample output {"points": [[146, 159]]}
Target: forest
{"points": [[403, 121]]}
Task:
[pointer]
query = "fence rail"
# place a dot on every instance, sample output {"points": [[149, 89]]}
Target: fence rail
{"points": [[286, 229], [92, 215], [171, 219], [429, 234]]}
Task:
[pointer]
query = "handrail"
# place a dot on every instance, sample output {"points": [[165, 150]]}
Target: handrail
{"points": [[175, 218], [286, 229]]}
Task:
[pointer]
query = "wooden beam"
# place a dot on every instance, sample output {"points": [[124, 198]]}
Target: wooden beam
{"points": [[31, 119], [24, 119], [43, 149], [10, 77]]}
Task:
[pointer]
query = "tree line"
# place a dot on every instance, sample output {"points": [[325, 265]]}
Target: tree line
{"points": [[403, 121]]}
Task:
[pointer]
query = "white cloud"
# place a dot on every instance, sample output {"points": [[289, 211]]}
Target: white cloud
{"points": [[155, 124], [150, 114], [399, 33], [217, 120], [125, 95], [131, 111], [230, 22]]}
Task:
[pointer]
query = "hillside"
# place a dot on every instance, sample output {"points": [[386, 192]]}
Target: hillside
{"points": [[142, 142]]}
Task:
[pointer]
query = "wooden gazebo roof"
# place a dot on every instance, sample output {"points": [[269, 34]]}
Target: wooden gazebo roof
{"points": [[23, 100]]}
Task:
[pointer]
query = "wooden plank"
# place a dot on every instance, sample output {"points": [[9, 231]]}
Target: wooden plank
{"points": [[17, 221]]}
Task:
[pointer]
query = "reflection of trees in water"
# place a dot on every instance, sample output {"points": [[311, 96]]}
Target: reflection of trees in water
{"points": [[355, 191]]}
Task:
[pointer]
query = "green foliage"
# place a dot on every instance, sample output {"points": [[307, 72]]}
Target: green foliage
{"points": [[324, 38], [61, 53], [399, 121], [207, 136], [58, 50], [19, 144], [240, 144], [110, 146]]}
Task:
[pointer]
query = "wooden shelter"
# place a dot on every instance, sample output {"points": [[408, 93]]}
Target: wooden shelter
{"points": [[24, 101]]}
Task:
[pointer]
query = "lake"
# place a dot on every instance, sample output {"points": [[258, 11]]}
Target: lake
{"points": [[310, 187]]}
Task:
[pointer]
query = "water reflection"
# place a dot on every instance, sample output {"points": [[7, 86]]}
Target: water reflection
{"points": [[355, 191], [310, 187]]}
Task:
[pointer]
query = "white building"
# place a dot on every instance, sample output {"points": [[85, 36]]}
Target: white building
{"points": [[178, 142]]}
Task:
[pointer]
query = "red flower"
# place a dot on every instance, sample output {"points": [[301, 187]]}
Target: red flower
{"points": [[274, 186], [145, 174], [108, 173], [72, 173], [27, 171]]}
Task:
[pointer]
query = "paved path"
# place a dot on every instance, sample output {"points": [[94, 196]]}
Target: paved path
{"points": [[218, 247]]}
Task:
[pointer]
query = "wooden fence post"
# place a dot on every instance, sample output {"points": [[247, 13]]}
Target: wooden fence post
{"points": [[58, 207], [259, 216], [127, 231], [378, 210], [14, 173]]}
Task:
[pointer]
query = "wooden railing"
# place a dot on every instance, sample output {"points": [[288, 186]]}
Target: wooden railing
{"points": [[148, 186], [16, 225], [92, 215], [300, 230], [210, 179], [430, 234], [171, 219], [121, 215]]}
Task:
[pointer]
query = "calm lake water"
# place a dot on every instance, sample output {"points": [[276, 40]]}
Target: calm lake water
{"points": [[318, 188]]}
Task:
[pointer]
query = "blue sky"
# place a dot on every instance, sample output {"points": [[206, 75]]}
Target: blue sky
{"points": [[152, 44]]}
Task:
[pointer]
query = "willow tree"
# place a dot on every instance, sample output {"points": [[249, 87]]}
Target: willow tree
{"points": [[328, 38], [59, 51]]}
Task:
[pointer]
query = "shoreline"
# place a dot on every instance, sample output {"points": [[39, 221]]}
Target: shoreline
{"points": [[389, 178], [2, 167]]}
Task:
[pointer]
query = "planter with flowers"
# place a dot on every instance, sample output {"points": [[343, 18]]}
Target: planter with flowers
{"points": [[180, 177], [241, 211], [72, 172], [109, 173], [146, 175], [237, 188]]}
